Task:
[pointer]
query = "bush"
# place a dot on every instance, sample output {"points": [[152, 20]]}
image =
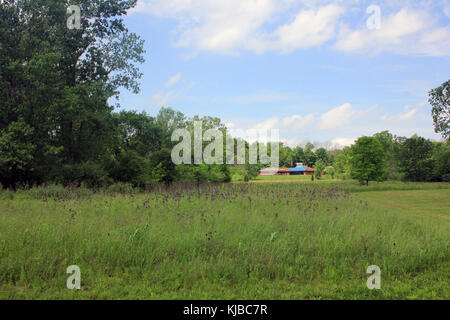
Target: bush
{"points": [[58, 192], [88, 173], [120, 187], [6, 194]]}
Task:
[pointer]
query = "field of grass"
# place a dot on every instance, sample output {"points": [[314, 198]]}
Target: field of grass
{"points": [[354, 186], [261, 240]]}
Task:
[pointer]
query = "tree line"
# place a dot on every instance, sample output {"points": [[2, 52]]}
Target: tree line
{"points": [[58, 125], [383, 156]]}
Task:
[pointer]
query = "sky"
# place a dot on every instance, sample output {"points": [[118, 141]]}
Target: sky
{"points": [[321, 71]]}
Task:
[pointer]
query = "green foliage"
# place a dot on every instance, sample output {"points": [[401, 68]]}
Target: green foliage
{"points": [[416, 161], [55, 84], [320, 168], [441, 157], [226, 172], [90, 174], [440, 102], [252, 170], [16, 152], [367, 160], [309, 155], [57, 125], [162, 160], [342, 163], [391, 145], [298, 155], [121, 188], [324, 156], [207, 173], [237, 172], [58, 192], [286, 156], [330, 171]]}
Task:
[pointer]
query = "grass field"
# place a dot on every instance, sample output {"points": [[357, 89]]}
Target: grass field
{"points": [[269, 239]]}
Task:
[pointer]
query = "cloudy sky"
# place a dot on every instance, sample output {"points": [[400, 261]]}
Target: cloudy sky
{"points": [[317, 70]]}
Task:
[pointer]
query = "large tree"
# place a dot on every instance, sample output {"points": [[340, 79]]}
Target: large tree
{"points": [[58, 80], [367, 160], [440, 102], [415, 158]]}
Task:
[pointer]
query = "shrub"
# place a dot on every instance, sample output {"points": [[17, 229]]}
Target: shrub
{"points": [[121, 187], [58, 192], [6, 194]]}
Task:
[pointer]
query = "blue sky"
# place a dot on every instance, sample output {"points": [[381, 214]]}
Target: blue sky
{"points": [[321, 71]]}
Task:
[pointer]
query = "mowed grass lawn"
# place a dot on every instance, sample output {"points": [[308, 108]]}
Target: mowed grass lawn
{"points": [[270, 240], [422, 203]]}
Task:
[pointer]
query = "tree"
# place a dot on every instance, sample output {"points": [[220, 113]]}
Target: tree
{"points": [[342, 163], [162, 160], [367, 160], [322, 154], [320, 167], [441, 161], [309, 155], [440, 102], [285, 155], [298, 155], [16, 153], [138, 132], [330, 170], [59, 81], [415, 159], [390, 146]]}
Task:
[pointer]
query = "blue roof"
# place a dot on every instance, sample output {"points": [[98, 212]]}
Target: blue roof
{"points": [[298, 169]]}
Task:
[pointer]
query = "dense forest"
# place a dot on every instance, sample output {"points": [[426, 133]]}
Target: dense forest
{"points": [[58, 125]]}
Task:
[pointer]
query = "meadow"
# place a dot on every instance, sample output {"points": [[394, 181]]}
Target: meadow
{"points": [[273, 238]]}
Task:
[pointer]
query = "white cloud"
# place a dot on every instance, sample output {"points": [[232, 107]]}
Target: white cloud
{"points": [[294, 122], [409, 31], [310, 28], [213, 25], [330, 121], [269, 124], [233, 26], [339, 143], [341, 116], [162, 98], [340, 126], [173, 80], [406, 115], [336, 117], [229, 26], [297, 122], [170, 92]]}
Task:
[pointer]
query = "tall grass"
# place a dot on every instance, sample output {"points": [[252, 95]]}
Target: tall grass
{"points": [[244, 241], [355, 186]]}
